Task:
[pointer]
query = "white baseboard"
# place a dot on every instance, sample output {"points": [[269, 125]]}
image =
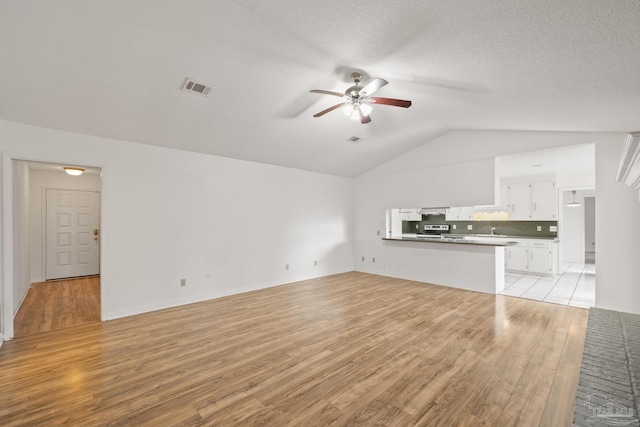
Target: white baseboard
{"points": [[15, 312], [131, 311], [380, 272]]}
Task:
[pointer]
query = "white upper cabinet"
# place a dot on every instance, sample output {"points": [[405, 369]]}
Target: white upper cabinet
{"points": [[503, 204], [409, 214], [459, 214], [544, 200], [536, 200], [520, 201]]}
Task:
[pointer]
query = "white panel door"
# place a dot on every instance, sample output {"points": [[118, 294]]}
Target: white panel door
{"points": [[73, 233]]}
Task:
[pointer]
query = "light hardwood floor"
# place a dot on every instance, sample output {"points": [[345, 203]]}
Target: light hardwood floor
{"points": [[346, 349], [58, 304]]}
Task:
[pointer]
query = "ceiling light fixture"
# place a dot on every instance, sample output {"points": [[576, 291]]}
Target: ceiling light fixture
{"points": [[73, 171], [353, 109], [574, 204]]}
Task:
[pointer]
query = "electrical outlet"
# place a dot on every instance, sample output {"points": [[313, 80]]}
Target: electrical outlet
{"points": [[286, 266], [539, 228], [553, 228], [417, 226], [469, 227], [454, 226], [183, 283]]}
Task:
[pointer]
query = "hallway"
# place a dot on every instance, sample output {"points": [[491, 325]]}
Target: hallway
{"points": [[58, 304]]}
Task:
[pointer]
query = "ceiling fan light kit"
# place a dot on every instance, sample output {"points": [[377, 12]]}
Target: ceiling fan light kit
{"points": [[357, 99], [353, 110]]}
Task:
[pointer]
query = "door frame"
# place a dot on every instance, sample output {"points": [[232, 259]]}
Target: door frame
{"points": [[594, 226], [7, 285]]}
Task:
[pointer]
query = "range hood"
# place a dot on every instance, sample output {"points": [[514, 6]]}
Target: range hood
{"points": [[432, 211]]}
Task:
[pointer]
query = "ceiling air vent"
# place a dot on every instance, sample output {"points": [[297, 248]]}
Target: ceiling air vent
{"points": [[354, 139], [191, 85]]}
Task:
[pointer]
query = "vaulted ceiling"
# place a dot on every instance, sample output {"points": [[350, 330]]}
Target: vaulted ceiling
{"points": [[115, 68]]}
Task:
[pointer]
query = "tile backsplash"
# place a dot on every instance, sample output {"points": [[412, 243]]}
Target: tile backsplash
{"points": [[510, 228]]}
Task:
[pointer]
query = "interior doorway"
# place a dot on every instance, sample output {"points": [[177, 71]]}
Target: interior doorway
{"points": [[56, 235], [577, 225]]}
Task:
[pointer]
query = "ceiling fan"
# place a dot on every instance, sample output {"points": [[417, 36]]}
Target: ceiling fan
{"points": [[358, 99]]}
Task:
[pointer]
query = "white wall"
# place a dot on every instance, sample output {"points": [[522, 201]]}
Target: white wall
{"points": [[443, 185], [21, 246], [225, 225], [6, 287], [617, 233], [39, 182], [590, 224], [575, 180]]}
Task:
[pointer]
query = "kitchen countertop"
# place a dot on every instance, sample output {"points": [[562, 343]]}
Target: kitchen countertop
{"points": [[455, 240], [503, 236]]}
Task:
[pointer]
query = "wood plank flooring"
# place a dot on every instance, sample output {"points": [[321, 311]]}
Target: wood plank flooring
{"points": [[348, 349], [58, 304]]}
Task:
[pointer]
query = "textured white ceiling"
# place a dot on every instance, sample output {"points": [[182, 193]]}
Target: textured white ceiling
{"points": [[114, 68]]}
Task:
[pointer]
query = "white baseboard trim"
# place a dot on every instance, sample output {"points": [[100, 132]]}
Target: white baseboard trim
{"points": [[15, 312], [131, 311], [371, 271]]}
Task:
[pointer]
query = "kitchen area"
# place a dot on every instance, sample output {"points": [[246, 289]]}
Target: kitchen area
{"points": [[537, 238]]}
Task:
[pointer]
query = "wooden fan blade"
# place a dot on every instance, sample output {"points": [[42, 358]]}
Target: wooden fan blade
{"points": [[364, 119], [372, 86], [323, 112], [390, 101], [326, 92]]}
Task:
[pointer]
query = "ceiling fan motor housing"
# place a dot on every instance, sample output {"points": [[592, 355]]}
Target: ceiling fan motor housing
{"points": [[353, 92]]}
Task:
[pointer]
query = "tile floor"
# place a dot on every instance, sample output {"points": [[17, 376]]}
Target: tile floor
{"points": [[575, 286]]}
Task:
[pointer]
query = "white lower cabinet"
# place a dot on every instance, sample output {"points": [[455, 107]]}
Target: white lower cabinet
{"points": [[516, 257], [540, 258], [533, 256]]}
